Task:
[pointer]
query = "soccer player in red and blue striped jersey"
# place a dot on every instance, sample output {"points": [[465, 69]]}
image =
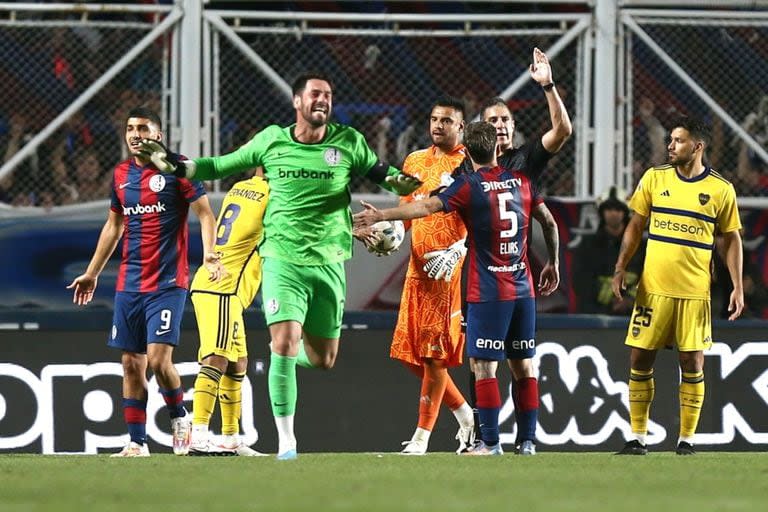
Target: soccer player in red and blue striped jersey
{"points": [[496, 206], [149, 211]]}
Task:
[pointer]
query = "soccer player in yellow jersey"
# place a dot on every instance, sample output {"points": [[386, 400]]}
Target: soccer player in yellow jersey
{"points": [[219, 309], [684, 204]]}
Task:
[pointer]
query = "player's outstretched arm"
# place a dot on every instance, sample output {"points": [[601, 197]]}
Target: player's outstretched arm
{"points": [[85, 284], [549, 279], [633, 235], [541, 72], [734, 260], [405, 211]]}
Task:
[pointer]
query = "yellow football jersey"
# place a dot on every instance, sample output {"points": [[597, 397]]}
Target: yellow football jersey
{"points": [[684, 217], [239, 232]]}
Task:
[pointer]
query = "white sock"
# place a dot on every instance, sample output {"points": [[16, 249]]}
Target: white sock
{"points": [[230, 440], [640, 437], [464, 416], [285, 435], [199, 433], [686, 439], [421, 434]]}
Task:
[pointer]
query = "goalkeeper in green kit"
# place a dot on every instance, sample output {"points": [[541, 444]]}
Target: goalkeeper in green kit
{"points": [[307, 231]]}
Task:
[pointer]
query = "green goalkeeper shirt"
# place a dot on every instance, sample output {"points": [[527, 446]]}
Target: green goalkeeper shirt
{"points": [[308, 220]]}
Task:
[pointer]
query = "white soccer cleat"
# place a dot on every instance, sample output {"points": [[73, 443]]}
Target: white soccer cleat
{"points": [[246, 451], [466, 438], [414, 447], [527, 448], [233, 444], [483, 449], [181, 430], [133, 450]]}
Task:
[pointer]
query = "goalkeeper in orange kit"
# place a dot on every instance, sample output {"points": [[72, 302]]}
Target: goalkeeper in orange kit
{"points": [[428, 337]]}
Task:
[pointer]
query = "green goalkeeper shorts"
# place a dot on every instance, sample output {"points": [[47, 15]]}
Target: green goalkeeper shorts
{"points": [[312, 295]]}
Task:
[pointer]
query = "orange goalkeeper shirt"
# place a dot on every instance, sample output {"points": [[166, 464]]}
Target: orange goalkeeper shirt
{"points": [[429, 320]]}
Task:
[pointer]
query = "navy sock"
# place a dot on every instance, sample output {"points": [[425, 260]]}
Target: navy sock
{"points": [[174, 402], [135, 414]]}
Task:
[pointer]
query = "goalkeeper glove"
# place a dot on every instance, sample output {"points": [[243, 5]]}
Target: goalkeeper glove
{"points": [[403, 184], [442, 264], [165, 161]]}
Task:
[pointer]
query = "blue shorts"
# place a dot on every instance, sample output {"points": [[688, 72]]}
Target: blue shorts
{"points": [[501, 330], [141, 318]]}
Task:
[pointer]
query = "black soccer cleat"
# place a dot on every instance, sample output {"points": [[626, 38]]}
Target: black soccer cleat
{"points": [[684, 448], [633, 447]]}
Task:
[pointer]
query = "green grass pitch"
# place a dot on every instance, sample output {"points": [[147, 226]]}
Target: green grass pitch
{"points": [[439, 482]]}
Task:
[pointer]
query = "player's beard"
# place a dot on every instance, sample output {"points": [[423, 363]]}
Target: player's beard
{"points": [[443, 141], [678, 160], [316, 119]]}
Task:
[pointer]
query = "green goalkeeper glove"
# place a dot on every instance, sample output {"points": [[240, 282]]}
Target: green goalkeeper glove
{"points": [[403, 184], [165, 161]]}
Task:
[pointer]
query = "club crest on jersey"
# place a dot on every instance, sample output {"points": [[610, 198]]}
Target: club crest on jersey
{"points": [[157, 183], [272, 306], [703, 199], [446, 179], [332, 156]]}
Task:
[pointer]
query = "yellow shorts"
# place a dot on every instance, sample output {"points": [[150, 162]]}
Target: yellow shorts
{"points": [[659, 321], [220, 325]]}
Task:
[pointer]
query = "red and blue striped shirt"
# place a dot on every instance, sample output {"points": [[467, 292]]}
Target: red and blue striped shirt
{"points": [[154, 207], [495, 205]]}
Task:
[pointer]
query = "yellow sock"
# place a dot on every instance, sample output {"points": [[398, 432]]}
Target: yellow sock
{"points": [[206, 391], [691, 400], [641, 391], [230, 401]]}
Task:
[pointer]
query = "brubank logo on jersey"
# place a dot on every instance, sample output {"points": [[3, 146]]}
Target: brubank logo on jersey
{"points": [[501, 185], [141, 209], [306, 174]]}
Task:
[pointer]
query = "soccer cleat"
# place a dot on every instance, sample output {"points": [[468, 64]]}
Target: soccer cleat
{"points": [[483, 449], [633, 447], [414, 447], [527, 447], [288, 455], [246, 451], [181, 430], [684, 448], [133, 450], [207, 448], [466, 438], [233, 444]]}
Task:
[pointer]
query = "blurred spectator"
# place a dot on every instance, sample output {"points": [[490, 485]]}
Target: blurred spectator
{"points": [[90, 181], [755, 292], [655, 142], [750, 165], [596, 255], [16, 186]]}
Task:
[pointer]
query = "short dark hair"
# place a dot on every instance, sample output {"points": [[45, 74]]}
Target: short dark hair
{"points": [[480, 141], [301, 81], [451, 102], [696, 127], [496, 101], [146, 113]]}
